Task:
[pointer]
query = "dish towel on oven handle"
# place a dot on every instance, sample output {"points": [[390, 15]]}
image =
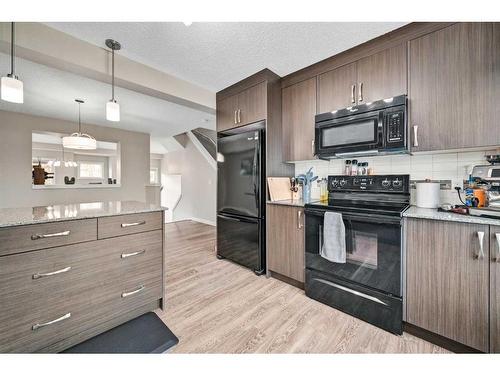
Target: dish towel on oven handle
{"points": [[333, 248]]}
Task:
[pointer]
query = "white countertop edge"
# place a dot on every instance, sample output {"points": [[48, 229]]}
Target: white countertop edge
{"points": [[433, 214], [95, 186]]}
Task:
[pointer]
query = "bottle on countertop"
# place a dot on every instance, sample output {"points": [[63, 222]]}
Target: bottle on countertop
{"points": [[361, 168], [354, 167], [347, 168]]}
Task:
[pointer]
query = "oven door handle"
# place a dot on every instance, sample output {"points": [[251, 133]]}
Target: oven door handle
{"points": [[368, 218]]}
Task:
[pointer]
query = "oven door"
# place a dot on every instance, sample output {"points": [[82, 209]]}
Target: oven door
{"points": [[373, 246], [355, 133]]}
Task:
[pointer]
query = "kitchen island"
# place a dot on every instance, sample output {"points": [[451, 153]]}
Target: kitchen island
{"points": [[69, 272]]}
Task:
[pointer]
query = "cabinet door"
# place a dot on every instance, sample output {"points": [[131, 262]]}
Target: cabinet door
{"points": [[455, 87], [382, 75], [298, 111], [447, 284], [226, 113], [495, 289], [337, 88], [285, 245], [252, 104]]}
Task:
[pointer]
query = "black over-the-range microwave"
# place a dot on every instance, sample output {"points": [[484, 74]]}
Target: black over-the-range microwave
{"points": [[367, 129]]}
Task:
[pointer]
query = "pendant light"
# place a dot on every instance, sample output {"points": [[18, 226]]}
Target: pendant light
{"points": [[11, 86], [112, 107], [79, 140]]}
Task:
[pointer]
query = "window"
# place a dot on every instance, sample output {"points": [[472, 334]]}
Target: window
{"points": [[153, 176], [89, 169]]}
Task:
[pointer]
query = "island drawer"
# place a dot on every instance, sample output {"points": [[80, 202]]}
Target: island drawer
{"points": [[113, 226], [39, 285], [42, 236]]}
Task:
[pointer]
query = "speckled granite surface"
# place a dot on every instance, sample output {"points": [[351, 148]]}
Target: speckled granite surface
{"points": [[289, 202], [434, 214], [32, 215]]}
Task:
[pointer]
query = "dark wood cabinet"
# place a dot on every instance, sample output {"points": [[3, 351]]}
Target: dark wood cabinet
{"points": [[337, 88], [495, 289], [298, 111], [447, 284], [382, 75], [454, 87], [285, 244], [243, 108]]}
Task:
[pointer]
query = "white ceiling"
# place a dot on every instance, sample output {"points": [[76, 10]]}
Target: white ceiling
{"points": [[216, 55], [50, 92]]}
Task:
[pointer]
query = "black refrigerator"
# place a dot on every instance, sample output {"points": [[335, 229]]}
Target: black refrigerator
{"points": [[240, 196]]}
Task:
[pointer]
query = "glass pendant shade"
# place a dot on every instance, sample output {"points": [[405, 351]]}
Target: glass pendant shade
{"points": [[79, 141], [12, 90], [112, 111]]}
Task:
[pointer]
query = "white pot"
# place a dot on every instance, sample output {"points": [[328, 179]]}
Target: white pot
{"points": [[428, 194]]}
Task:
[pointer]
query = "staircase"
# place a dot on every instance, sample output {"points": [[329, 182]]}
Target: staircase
{"points": [[208, 139]]}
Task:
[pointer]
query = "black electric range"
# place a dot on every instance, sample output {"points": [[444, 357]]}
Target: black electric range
{"points": [[369, 284]]}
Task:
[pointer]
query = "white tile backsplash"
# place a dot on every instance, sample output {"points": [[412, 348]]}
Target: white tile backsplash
{"points": [[447, 166]]}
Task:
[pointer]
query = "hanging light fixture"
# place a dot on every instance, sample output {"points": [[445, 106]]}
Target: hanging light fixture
{"points": [[79, 140], [11, 86], [112, 107]]}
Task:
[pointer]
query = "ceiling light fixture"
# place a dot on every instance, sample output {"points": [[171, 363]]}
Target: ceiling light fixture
{"points": [[79, 140], [187, 23], [11, 87], [112, 107]]}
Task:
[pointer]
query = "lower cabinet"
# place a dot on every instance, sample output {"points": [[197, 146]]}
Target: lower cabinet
{"points": [[447, 285], [285, 241], [495, 289]]}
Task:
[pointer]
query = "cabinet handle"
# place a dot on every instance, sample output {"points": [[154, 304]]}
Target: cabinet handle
{"points": [[60, 319], [497, 259], [239, 116], [125, 225], [415, 135], [480, 254], [40, 275], [312, 147], [235, 116], [353, 94], [299, 219], [59, 234], [127, 255], [360, 96], [126, 294]]}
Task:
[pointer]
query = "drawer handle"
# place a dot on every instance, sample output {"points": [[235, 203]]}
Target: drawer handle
{"points": [[40, 325], [497, 259], [59, 234], [125, 225], [140, 289], [40, 275], [126, 255], [480, 253]]}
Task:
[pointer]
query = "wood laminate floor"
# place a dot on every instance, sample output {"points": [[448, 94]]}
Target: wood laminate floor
{"points": [[215, 306]]}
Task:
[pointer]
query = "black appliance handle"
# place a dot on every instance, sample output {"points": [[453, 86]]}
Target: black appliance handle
{"points": [[238, 219], [369, 218]]}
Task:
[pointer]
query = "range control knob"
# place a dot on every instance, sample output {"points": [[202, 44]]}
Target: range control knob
{"points": [[386, 183], [397, 183], [343, 183], [335, 183]]}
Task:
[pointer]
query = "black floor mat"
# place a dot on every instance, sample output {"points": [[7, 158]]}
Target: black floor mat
{"points": [[144, 334]]}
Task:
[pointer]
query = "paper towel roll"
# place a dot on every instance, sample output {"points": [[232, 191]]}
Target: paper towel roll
{"points": [[428, 194]]}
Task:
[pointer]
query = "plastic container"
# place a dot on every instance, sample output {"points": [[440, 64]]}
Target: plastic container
{"points": [[347, 168], [428, 194], [354, 167]]}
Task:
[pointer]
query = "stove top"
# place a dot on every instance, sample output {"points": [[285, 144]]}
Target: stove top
{"points": [[380, 194]]}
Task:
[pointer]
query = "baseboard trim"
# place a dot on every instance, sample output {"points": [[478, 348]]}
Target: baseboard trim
{"points": [[438, 340]]}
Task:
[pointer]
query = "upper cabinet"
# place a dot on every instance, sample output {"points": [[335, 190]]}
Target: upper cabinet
{"points": [[243, 108], [298, 111], [379, 76], [382, 75], [337, 88], [454, 87]]}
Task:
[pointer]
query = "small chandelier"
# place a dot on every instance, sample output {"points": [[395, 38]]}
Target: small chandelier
{"points": [[11, 86], [112, 107], [79, 140]]}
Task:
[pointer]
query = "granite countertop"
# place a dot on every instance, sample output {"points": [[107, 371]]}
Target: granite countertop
{"points": [[60, 212], [291, 202], [434, 214]]}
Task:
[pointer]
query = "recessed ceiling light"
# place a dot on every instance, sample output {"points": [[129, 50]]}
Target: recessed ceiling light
{"points": [[187, 23]]}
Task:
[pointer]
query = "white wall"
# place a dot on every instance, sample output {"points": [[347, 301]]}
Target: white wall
{"points": [[15, 163], [198, 201], [445, 166]]}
